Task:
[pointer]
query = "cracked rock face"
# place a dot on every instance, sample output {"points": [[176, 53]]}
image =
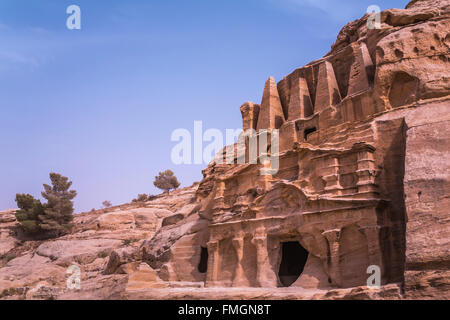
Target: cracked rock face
{"points": [[363, 181]]}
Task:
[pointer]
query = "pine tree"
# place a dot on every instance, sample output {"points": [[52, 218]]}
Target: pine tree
{"points": [[166, 181], [28, 215], [58, 212]]}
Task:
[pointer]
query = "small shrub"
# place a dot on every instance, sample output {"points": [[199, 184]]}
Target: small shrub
{"points": [[28, 214], [9, 257], [106, 204], [127, 242], [141, 198], [103, 254], [8, 292]]}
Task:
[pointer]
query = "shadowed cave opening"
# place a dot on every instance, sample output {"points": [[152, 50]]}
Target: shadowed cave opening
{"points": [[203, 264], [308, 132], [293, 260]]}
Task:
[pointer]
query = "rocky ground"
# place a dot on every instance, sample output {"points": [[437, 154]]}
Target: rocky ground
{"points": [[104, 244]]}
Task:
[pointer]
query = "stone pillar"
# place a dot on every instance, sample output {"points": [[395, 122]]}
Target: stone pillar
{"points": [[240, 280], [333, 237], [271, 114], [219, 194], [374, 248], [250, 113], [267, 178], [300, 105], [265, 275], [327, 92], [361, 71], [247, 147], [331, 176], [366, 172], [213, 263], [288, 136]]}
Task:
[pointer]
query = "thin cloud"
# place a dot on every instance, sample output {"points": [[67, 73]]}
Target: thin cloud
{"points": [[337, 10], [14, 57], [3, 26]]}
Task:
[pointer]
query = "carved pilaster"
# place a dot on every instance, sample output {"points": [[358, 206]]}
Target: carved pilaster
{"points": [[366, 172], [372, 234], [264, 274], [331, 176], [219, 197], [240, 280], [213, 263], [333, 237]]}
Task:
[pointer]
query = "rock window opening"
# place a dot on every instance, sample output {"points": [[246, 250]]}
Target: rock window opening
{"points": [[203, 264], [308, 132], [293, 260]]}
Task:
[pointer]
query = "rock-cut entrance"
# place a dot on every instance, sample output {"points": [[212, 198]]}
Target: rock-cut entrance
{"points": [[293, 260]]}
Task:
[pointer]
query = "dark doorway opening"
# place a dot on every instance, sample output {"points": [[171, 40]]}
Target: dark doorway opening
{"points": [[293, 260], [308, 132], [203, 264]]}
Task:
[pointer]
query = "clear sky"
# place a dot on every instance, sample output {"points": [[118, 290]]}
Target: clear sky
{"points": [[99, 104]]}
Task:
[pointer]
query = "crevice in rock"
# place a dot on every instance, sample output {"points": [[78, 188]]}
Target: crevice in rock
{"points": [[203, 264]]}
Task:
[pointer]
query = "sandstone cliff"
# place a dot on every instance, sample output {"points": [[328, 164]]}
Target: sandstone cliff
{"points": [[364, 180]]}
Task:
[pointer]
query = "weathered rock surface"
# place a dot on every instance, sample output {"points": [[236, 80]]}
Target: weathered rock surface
{"points": [[104, 245], [363, 182]]}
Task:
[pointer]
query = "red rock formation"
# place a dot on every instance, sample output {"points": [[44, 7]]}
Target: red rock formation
{"points": [[363, 178]]}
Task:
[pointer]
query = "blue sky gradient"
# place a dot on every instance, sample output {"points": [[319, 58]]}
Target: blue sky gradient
{"points": [[99, 104]]}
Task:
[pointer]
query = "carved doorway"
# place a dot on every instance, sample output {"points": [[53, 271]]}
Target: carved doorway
{"points": [[293, 260]]}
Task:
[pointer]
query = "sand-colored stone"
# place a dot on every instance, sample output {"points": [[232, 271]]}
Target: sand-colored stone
{"points": [[300, 105], [362, 70], [271, 111], [250, 114], [327, 93]]}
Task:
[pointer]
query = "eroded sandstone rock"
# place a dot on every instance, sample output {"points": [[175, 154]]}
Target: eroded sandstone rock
{"points": [[363, 133]]}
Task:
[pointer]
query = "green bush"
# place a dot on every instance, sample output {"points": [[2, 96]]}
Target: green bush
{"points": [[28, 213], [141, 198], [103, 254], [8, 292], [9, 257], [53, 217]]}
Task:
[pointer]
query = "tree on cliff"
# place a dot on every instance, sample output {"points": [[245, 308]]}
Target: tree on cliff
{"points": [[166, 181], [58, 212], [28, 213]]}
